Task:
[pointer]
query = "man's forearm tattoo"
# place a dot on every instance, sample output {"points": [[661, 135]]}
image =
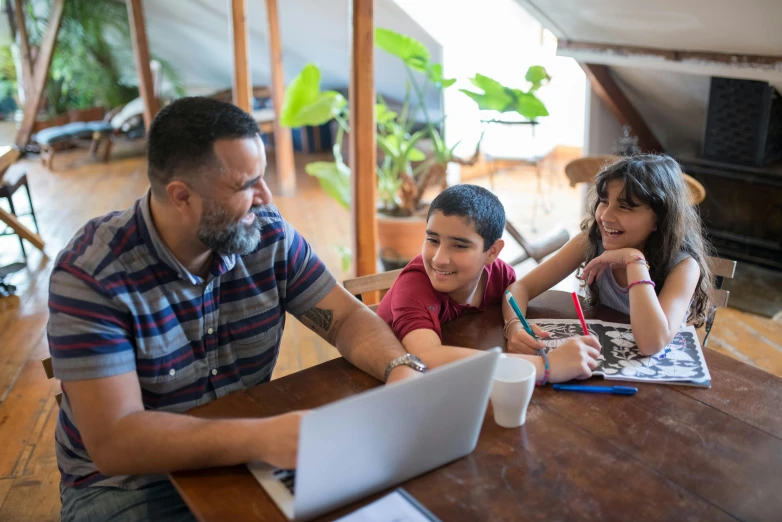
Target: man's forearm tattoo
{"points": [[321, 321]]}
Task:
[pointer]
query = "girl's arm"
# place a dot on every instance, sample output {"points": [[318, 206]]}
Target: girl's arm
{"points": [[656, 319], [543, 277]]}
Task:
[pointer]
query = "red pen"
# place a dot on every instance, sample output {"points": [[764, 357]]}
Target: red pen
{"points": [[580, 313]]}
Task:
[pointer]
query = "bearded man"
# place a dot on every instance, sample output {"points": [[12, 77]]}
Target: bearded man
{"points": [[178, 301]]}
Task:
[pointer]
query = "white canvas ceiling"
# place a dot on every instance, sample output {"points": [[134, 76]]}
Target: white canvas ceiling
{"points": [[671, 96], [195, 37]]}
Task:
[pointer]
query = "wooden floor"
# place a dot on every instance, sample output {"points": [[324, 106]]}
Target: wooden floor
{"points": [[79, 190]]}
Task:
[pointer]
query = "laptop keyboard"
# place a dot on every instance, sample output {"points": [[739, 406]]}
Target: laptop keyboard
{"points": [[287, 477]]}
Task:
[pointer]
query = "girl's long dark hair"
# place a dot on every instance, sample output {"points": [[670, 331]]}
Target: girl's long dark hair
{"points": [[656, 180]]}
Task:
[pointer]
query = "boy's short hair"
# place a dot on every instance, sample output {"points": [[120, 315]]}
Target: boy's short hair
{"points": [[475, 204]]}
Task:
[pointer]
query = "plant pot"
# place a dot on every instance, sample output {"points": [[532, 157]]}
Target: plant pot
{"points": [[60, 119], [91, 114], [400, 239]]}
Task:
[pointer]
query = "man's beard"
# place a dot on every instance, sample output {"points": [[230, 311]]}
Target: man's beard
{"points": [[219, 232]]}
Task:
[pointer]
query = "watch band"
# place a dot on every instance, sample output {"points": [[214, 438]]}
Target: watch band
{"points": [[407, 359]]}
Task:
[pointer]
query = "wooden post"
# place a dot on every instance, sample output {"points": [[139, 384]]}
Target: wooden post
{"points": [[609, 92], [362, 138], [24, 48], [138, 35], [242, 91], [41, 72], [283, 143]]}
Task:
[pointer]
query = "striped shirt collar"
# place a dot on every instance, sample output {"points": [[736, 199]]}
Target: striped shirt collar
{"points": [[220, 264]]}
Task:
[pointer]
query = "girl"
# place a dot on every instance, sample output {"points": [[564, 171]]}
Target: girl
{"points": [[641, 250]]}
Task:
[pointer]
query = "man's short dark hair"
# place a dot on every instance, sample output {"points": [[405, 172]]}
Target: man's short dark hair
{"points": [[182, 136], [477, 206]]}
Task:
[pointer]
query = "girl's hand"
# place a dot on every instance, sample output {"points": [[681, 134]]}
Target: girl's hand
{"points": [[609, 260], [519, 341], [574, 360]]}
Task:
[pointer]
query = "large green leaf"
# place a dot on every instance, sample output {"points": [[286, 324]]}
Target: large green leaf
{"points": [[530, 106], [435, 75], [334, 178], [416, 155], [302, 91], [490, 103], [325, 106], [489, 85], [383, 114], [409, 50], [536, 75]]}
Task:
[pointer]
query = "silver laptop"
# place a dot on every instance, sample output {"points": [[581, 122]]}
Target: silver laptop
{"points": [[374, 440]]}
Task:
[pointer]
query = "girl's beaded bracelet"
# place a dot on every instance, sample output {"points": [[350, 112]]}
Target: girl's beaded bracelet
{"points": [[641, 282]]}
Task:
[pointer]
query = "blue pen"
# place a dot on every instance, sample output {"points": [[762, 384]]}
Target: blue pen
{"points": [[515, 306], [615, 390]]}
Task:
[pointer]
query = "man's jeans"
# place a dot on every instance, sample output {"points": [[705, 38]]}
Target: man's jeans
{"points": [[156, 502]]}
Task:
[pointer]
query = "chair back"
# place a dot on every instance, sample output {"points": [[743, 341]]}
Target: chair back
{"points": [[49, 370], [371, 283], [584, 170], [718, 298]]}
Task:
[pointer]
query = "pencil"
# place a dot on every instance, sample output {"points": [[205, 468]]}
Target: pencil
{"points": [[580, 313]]}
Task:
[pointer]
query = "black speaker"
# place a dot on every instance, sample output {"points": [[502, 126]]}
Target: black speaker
{"points": [[744, 123]]}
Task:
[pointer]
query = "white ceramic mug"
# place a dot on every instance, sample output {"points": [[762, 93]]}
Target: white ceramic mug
{"points": [[511, 391]]}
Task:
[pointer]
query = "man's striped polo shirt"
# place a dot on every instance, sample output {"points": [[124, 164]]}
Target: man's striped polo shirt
{"points": [[119, 302]]}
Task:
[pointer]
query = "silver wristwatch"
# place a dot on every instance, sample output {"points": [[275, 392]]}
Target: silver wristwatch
{"points": [[407, 359]]}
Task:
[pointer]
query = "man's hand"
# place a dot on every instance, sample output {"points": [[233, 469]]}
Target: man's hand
{"points": [[574, 360], [401, 373], [281, 437], [519, 341]]}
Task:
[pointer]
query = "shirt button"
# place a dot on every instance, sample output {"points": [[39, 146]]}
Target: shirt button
{"points": [[172, 372], [431, 308], [210, 331], [214, 372]]}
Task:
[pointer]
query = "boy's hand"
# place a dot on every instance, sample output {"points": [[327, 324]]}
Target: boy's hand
{"points": [[574, 360], [519, 341]]}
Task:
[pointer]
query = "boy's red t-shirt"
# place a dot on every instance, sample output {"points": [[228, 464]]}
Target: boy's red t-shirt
{"points": [[412, 303]]}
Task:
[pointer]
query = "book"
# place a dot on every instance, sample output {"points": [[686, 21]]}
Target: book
{"points": [[681, 362], [397, 506]]}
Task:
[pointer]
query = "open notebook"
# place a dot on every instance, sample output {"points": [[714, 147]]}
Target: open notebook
{"points": [[681, 362]]}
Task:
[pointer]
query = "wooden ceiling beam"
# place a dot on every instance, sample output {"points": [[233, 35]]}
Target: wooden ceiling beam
{"points": [[40, 74], [24, 47], [604, 85], [702, 57], [138, 35]]}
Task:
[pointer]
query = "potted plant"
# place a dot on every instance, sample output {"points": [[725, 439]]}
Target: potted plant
{"points": [[401, 185], [86, 76]]}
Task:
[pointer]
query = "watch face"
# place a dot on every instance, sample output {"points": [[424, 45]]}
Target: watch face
{"points": [[416, 363]]}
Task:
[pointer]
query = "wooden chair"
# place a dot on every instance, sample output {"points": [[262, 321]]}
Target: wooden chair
{"points": [[49, 370], [537, 251], [718, 298], [584, 170], [371, 283]]}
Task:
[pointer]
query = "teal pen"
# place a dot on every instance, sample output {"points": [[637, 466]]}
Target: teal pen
{"points": [[515, 306], [615, 390]]}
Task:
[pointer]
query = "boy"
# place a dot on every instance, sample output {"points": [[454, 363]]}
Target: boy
{"points": [[459, 272]]}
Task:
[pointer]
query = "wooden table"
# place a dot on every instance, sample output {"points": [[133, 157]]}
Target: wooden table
{"points": [[668, 453]]}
